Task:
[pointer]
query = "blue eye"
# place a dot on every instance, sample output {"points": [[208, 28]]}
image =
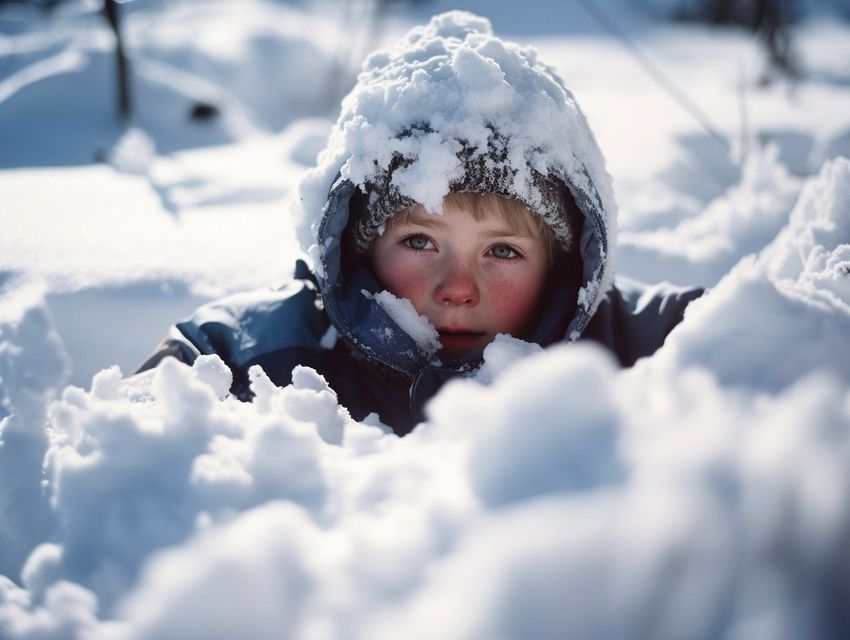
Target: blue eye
{"points": [[418, 242], [503, 252]]}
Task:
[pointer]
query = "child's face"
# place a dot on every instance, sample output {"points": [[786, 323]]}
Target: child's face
{"points": [[472, 279]]}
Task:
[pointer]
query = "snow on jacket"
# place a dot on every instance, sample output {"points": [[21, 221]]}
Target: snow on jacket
{"points": [[450, 108]]}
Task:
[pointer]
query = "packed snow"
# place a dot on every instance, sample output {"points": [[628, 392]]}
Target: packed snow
{"points": [[703, 493]]}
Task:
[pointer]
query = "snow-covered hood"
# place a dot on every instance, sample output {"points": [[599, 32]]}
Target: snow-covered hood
{"points": [[437, 96]]}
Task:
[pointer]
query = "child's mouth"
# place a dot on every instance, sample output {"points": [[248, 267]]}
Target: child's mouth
{"points": [[454, 340]]}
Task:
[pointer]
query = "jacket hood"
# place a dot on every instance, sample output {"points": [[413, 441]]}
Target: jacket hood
{"points": [[420, 115]]}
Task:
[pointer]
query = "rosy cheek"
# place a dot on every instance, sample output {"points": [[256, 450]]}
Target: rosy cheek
{"points": [[405, 279], [513, 305]]}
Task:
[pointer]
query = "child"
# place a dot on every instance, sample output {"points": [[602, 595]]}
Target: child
{"points": [[461, 180]]}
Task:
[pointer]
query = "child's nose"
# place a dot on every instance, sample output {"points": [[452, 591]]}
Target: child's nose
{"points": [[458, 285]]}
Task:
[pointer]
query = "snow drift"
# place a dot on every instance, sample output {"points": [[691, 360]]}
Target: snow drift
{"points": [[564, 498]]}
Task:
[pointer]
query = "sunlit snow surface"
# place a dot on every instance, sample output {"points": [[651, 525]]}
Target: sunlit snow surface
{"points": [[704, 493]]}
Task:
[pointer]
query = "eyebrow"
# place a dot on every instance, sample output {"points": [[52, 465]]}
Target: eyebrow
{"points": [[428, 220], [507, 232], [432, 221]]}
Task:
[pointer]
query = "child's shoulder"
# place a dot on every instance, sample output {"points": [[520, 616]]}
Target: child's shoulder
{"points": [[244, 326], [634, 318], [250, 326]]}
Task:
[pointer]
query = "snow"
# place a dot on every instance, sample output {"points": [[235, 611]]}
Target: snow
{"points": [[769, 304], [501, 353], [412, 323], [702, 247], [133, 153], [702, 493], [458, 84]]}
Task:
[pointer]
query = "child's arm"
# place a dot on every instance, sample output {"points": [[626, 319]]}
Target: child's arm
{"points": [[176, 345], [274, 328]]}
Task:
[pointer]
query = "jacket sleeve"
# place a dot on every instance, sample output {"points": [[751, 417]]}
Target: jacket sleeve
{"points": [[634, 319], [274, 328]]}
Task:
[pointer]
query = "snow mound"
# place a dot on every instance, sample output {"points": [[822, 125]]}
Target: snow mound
{"points": [[700, 249], [785, 312], [33, 366], [566, 499], [563, 498]]}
